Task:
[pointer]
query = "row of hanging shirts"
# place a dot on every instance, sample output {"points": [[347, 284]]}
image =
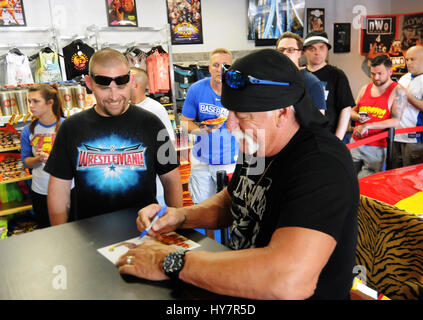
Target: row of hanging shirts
{"points": [[156, 63], [15, 67], [18, 69]]}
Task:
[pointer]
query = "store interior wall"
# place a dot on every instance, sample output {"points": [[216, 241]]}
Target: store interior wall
{"points": [[224, 25]]}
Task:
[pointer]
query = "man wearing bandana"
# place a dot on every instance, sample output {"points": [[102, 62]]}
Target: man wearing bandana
{"points": [[291, 203]]}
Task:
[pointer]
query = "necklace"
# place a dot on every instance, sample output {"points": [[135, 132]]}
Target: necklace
{"points": [[247, 197]]}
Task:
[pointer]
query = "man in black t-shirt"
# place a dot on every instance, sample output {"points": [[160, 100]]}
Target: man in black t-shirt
{"points": [[113, 151], [339, 98], [291, 203]]}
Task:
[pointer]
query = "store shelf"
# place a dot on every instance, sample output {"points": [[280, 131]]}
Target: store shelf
{"points": [[28, 177], [15, 206], [16, 148]]}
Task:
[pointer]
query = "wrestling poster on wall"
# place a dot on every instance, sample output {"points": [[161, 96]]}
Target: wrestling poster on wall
{"points": [[380, 32], [121, 13], [12, 13], [269, 19], [315, 19], [391, 35], [185, 21]]}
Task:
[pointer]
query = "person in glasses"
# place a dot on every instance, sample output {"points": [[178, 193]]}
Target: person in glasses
{"points": [[215, 148], [339, 98], [139, 99], [291, 45], [114, 151], [291, 203]]}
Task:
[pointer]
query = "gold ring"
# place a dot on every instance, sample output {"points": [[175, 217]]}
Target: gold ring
{"points": [[129, 259]]}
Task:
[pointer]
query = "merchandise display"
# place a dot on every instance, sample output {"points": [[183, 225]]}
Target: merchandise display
{"points": [[3, 228], [47, 66], [76, 56], [97, 150], [15, 69], [9, 138]]}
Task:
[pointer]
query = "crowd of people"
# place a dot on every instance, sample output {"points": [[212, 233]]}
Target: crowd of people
{"points": [[291, 203]]}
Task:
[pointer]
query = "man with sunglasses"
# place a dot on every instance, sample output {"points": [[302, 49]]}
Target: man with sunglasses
{"points": [[113, 151], [291, 203], [339, 98], [291, 45], [215, 148]]}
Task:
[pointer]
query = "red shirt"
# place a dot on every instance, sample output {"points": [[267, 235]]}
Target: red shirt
{"points": [[378, 110]]}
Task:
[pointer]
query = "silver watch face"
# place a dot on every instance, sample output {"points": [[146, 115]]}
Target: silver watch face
{"points": [[173, 263]]}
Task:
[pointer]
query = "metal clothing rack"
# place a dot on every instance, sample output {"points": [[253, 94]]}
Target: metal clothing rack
{"points": [[10, 45], [94, 31]]}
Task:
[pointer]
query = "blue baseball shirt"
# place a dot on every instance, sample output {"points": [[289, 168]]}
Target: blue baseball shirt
{"points": [[202, 103]]}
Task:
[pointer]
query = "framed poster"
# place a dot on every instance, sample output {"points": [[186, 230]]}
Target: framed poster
{"points": [[12, 13], [410, 30], [315, 19], [269, 19], [382, 34], [121, 13], [341, 37], [184, 17]]}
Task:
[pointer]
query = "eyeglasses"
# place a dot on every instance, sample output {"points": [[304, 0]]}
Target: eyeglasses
{"points": [[106, 81], [237, 80], [289, 50]]}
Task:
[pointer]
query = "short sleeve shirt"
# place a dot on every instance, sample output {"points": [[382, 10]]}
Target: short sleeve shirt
{"points": [[114, 160]]}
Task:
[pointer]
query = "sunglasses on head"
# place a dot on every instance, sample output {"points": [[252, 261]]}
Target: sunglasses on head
{"points": [[105, 81], [237, 80]]}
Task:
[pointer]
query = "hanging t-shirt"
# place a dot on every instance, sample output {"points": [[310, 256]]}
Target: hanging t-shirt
{"points": [[337, 93], [114, 160], [136, 58], [18, 70], [76, 56], [47, 67], [158, 72]]}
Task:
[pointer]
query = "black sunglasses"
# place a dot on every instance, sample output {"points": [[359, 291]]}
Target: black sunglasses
{"points": [[237, 80], [106, 81]]}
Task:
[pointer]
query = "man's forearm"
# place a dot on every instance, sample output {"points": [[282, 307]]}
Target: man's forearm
{"points": [[343, 121], [213, 213], [172, 188], [58, 200], [418, 104]]}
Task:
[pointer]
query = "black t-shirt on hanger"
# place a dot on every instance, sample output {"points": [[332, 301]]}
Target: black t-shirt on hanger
{"points": [[76, 56]]}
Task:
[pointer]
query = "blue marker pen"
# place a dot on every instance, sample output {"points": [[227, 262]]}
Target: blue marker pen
{"points": [[158, 215]]}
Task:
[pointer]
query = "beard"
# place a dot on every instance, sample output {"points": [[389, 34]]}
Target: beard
{"points": [[249, 146], [379, 83]]}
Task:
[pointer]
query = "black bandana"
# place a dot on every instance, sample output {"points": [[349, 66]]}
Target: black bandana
{"points": [[270, 64]]}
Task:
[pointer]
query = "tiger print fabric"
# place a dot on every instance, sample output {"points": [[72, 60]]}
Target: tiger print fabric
{"points": [[390, 247]]}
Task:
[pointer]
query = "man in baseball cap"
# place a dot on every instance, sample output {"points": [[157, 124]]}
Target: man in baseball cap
{"points": [[317, 37], [301, 206], [339, 98]]}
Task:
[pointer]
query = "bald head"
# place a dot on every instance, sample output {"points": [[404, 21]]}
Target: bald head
{"points": [[139, 85], [414, 59], [106, 58]]}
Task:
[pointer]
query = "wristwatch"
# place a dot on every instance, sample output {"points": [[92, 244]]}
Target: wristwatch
{"points": [[173, 264]]}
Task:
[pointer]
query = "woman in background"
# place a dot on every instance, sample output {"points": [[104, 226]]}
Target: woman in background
{"points": [[37, 141]]}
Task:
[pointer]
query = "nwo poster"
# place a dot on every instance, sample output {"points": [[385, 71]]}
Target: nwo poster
{"points": [[384, 34], [185, 21]]}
